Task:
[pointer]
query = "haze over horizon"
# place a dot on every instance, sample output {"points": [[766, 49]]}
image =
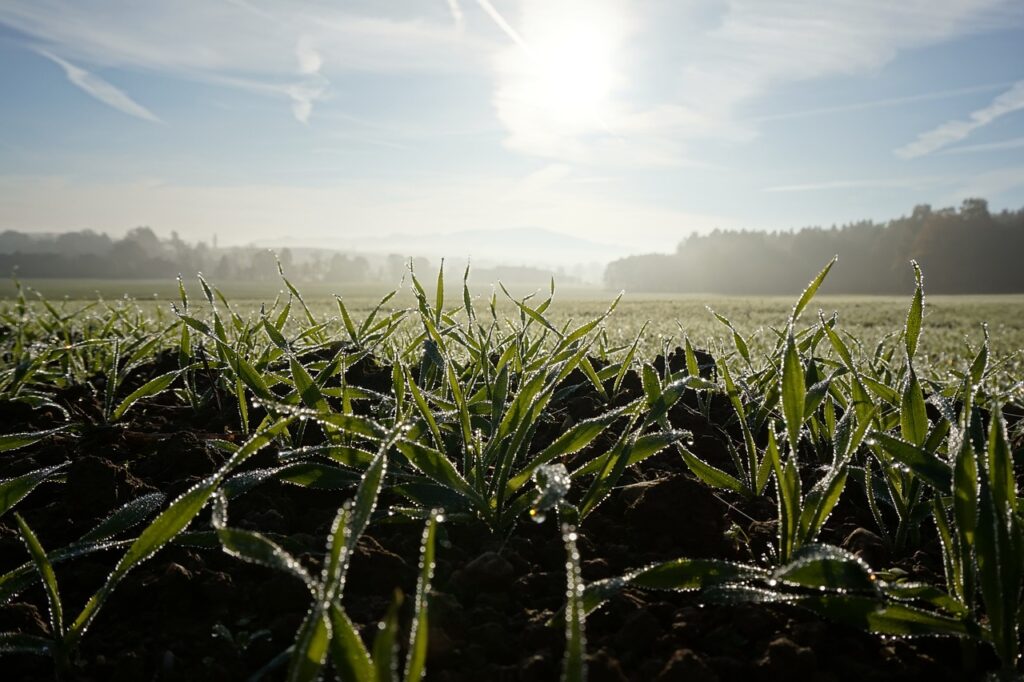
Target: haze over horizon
{"points": [[622, 125]]}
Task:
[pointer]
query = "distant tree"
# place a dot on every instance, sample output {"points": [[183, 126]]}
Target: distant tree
{"points": [[80, 243], [262, 265], [146, 239], [975, 210], [966, 250]]}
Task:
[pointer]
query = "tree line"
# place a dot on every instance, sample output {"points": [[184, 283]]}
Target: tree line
{"points": [[965, 250], [141, 254]]}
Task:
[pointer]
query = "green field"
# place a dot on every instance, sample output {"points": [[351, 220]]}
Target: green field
{"points": [[852, 476], [953, 323]]}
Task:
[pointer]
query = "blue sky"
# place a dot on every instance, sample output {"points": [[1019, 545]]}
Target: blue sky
{"points": [[629, 124]]}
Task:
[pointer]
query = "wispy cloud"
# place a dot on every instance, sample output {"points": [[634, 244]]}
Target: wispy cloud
{"points": [[728, 55], [1012, 143], [887, 102], [953, 131], [505, 27], [868, 183], [279, 47], [310, 61], [101, 89], [759, 44]]}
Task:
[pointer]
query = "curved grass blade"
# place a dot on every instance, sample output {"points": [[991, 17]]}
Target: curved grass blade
{"points": [[808, 293], [13, 490], [49, 578], [347, 455], [680, 575], [887, 618], [19, 579], [307, 388], [385, 644], [436, 466], [416, 661], [609, 469], [246, 373], [926, 465], [167, 525], [713, 476], [147, 390], [627, 361], [819, 503], [575, 439], [258, 549], [915, 314], [131, 514], [794, 391], [316, 475], [913, 416], [311, 646], [643, 447], [737, 340], [826, 567], [574, 664], [14, 441], [349, 656]]}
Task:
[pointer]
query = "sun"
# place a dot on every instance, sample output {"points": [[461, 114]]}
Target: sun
{"points": [[567, 65], [575, 73]]}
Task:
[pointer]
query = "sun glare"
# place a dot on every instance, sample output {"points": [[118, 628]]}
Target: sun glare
{"points": [[568, 65], [575, 74]]}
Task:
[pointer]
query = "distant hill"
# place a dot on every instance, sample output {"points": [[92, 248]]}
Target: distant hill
{"points": [[525, 246], [962, 251]]}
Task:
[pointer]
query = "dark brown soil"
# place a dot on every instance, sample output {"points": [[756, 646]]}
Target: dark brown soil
{"points": [[199, 614]]}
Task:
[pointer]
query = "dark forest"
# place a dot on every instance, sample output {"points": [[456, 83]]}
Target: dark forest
{"points": [[963, 251]]}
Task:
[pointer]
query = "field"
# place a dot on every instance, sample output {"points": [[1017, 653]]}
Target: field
{"points": [[451, 486], [954, 322]]}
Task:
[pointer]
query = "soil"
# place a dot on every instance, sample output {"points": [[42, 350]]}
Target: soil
{"points": [[199, 614]]}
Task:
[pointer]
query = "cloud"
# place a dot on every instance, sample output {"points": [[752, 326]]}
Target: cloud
{"points": [[953, 131], [887, 102], [280, 47], [101, 89], [686, 72], [195, 36], [759, 44], [1012, 143], [592, 82], [310, 60], [869, 183]]}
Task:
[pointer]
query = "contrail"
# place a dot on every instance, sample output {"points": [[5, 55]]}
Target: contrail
{"points": [[457, 16], [506, 27], [101, 89]]}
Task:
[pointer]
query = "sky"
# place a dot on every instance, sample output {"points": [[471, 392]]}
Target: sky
{"points": [[623, 125]]}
